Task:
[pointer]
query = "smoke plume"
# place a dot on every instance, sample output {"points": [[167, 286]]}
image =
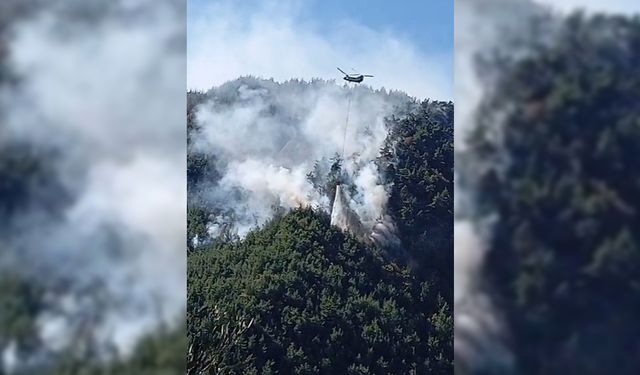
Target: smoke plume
{"points": [[100, 87], [266, 138]]}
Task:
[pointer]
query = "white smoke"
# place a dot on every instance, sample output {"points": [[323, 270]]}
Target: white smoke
{"points": [[374, 223], [105, 91], [267, 139], [267, 184], [372, 195]]}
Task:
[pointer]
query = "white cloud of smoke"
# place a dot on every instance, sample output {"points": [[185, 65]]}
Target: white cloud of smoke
{"points": [[103, 85], [267, 140]]}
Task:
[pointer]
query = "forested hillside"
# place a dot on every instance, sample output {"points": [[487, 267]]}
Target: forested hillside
{"points": [[564, 253], [417, 162], [299, 296], [294, 294]]}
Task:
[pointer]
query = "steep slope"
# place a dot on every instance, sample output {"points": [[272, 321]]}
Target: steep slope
{"points": [[307, 260], [300, 296], [417, 163]]}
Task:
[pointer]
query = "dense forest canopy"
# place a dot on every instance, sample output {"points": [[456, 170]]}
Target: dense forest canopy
{"points": [[563, 254], [417, 161], [299, 296], [295, 294]]}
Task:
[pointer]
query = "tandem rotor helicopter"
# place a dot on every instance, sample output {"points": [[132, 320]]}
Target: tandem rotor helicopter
{"points": [[354, 77]]}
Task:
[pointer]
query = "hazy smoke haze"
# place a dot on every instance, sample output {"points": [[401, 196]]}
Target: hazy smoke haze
{"points": [[266, 138], [100, 86]]}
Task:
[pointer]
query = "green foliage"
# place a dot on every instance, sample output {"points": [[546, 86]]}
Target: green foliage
{"points": [[200, 167], [197, 221], [162, 353], [20, 303], [327, 174], [417, 161], [28, 180], [564, 256], [299, 296], [194, 98]]}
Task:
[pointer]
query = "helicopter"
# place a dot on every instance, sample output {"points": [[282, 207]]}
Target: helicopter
{"points": [[354, 77]]}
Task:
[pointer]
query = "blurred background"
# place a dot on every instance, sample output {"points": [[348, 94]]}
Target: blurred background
{"points": [[92, 187], [546, 232]]}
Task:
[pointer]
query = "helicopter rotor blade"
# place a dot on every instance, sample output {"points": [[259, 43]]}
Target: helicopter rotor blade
{"points": [[367, 75], [342, 71]]}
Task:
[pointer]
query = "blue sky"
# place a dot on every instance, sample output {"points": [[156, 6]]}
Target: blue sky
{"points": [[407, 45], [428, 23]]}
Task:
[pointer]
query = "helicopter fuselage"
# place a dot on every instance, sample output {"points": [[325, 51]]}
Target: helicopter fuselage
{"points": [[354, 78]]}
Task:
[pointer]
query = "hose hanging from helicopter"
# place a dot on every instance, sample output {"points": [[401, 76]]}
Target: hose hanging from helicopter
{"points": [[346, 124], [355, 78], [339, 208]]}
